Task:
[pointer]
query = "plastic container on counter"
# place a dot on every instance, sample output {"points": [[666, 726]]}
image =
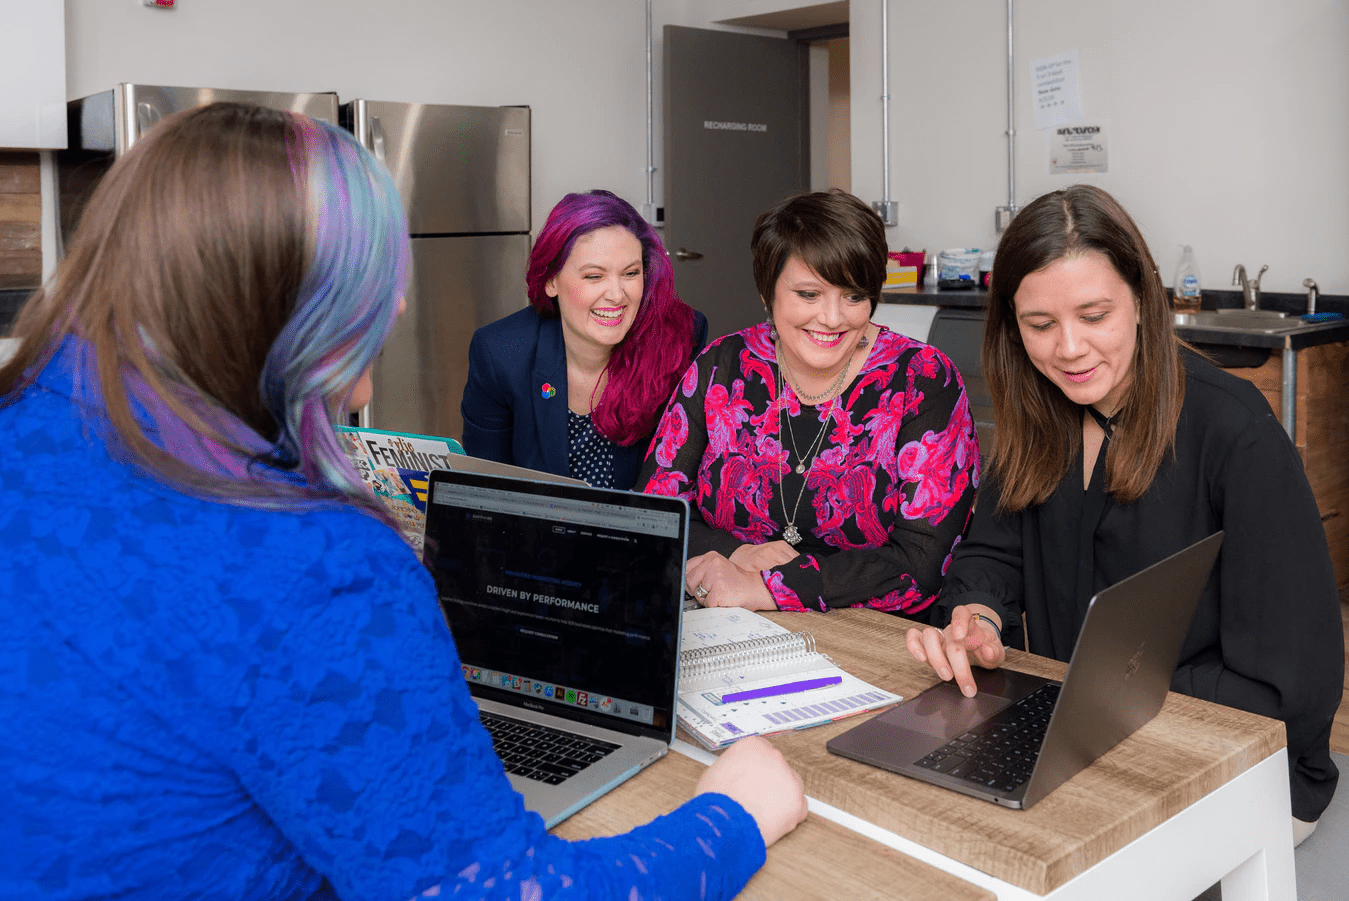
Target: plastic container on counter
{"points": [[958, 268]]}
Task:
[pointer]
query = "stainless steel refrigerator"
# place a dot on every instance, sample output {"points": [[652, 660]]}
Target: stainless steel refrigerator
{"points": [[464, 175], [103, 126]]}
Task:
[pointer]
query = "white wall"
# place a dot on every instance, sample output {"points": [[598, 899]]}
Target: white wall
{"points": [[1228, 124], [1229, 119], [580, 65]]}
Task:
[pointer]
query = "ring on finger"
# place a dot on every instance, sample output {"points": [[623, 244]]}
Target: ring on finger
{"points": [[701, 591]]}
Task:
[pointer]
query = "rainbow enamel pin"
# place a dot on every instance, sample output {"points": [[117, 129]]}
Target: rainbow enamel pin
{"points": [[547, 391]]}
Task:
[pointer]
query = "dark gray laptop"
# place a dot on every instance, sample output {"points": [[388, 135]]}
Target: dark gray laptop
{"points": [[1022, 736], [564, 602]]}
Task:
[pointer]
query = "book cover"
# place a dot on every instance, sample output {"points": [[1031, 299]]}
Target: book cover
{"points": [[742, 674], [396, 465]]}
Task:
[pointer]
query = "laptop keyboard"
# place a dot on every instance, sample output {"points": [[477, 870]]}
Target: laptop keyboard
{"points": [[1000, 752], [546, 755]]}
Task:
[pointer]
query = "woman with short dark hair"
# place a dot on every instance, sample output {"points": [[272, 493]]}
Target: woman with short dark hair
{"points": [[573, 384], [223, 674], [1117, 446], [829, 461]]}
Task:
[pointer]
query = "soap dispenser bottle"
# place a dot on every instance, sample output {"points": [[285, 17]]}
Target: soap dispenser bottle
{"points": [[1186, 293]]}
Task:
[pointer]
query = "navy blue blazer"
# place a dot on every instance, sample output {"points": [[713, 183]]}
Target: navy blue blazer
{"points": [[507, 418]]}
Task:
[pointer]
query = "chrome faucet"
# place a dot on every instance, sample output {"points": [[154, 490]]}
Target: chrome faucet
{"points": [[1250, 290], [1312, 290]]}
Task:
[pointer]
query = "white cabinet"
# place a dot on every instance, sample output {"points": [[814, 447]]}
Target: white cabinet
{"points": [[33, 72]]}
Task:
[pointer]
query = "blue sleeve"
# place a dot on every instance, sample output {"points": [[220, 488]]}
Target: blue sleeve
{"points": [[487, 407], [356, 734]]}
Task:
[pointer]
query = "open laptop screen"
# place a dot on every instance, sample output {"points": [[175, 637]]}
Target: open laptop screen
{"points": [[567, 597]]}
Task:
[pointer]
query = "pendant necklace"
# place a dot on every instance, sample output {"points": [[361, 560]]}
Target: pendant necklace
{"points": [[790, 533], [812, 398]]}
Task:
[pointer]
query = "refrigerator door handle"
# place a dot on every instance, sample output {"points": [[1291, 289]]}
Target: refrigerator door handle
{"points": [[146, 115], [377, 138]]}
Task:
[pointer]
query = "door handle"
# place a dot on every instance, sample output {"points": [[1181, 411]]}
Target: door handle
{"points": [[377, 138], [682, 254]]}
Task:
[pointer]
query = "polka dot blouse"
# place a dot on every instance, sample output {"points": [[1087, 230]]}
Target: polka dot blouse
{"points": [[590, 456]]}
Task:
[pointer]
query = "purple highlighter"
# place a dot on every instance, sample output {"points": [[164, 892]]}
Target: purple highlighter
{"points": [[787, 688]]}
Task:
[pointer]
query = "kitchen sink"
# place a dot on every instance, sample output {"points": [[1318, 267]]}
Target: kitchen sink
{"points": [[1270, 322]]}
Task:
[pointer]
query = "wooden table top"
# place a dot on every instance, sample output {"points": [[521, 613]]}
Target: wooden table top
{"points": [[1191, 748], [819, 859]]}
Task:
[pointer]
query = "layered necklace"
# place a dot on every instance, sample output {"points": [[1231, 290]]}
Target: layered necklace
{"points": [[790, 533]]}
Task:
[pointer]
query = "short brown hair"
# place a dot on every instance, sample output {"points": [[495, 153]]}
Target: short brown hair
{"points": [[834, 233], [1038, 429]]}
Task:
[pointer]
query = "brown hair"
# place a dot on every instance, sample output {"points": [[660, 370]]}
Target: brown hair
{"points": [[837, 235], [1038, 429], [232, 275]]}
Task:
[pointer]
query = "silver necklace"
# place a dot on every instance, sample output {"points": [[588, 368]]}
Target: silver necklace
{"points": [[790, 534], [812, 398]]}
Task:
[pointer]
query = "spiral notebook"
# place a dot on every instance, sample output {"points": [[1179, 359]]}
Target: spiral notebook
{"points": [[742, 674]]}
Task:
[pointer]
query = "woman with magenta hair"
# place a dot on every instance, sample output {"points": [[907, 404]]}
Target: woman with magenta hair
{"points": [[573, 383], [222, 672]]}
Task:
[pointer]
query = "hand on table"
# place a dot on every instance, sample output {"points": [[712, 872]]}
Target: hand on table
{"points": [[758, 557], [949, 651], [717, 582], [754, 774]]}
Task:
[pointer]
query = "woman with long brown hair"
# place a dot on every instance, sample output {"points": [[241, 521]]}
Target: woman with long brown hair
{"points": [[1115, 447]]}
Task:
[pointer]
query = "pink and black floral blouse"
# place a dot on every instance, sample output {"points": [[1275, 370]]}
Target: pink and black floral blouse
{"points": [[886, 495]]}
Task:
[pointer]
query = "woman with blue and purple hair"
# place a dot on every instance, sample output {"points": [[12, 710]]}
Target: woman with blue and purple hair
{"points": [[574, 383], [222, 673]]}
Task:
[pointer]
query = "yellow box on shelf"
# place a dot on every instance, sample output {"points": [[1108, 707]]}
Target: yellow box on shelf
{"points": [[904, 269]]}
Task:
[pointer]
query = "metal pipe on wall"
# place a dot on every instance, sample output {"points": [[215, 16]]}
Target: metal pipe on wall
{"points": [[1004, 214], [649, 208], [886, 208]]}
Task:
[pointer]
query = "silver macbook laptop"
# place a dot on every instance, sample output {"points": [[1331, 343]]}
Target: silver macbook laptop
{"points": [[565, 605], [465, 463], [1022, 736]]}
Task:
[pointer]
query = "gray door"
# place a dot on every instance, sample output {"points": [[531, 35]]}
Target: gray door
{"points": [[736, 135]]}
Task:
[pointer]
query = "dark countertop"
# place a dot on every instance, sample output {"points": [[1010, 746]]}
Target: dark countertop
{"points": [[1314, 334], [931, 295]]}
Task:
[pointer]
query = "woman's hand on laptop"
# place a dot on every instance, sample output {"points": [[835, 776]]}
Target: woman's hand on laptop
{"points": [[972, 635], [754, 774]]}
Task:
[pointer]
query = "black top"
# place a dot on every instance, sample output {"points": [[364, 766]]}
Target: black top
{"points": [[882, 499], [1267, 636]]}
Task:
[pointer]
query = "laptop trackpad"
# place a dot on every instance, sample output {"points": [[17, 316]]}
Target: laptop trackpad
{"points": [[943, 712]]}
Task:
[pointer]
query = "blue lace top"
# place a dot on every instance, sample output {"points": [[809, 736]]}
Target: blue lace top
{"points": [[209, 701]]}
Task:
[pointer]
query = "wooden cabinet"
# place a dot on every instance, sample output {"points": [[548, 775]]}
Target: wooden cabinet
{"points": [[20, 220], [1322, 435]]}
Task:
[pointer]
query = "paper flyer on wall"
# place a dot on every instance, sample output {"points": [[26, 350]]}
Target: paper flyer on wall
{"points": [[396, 466]]}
